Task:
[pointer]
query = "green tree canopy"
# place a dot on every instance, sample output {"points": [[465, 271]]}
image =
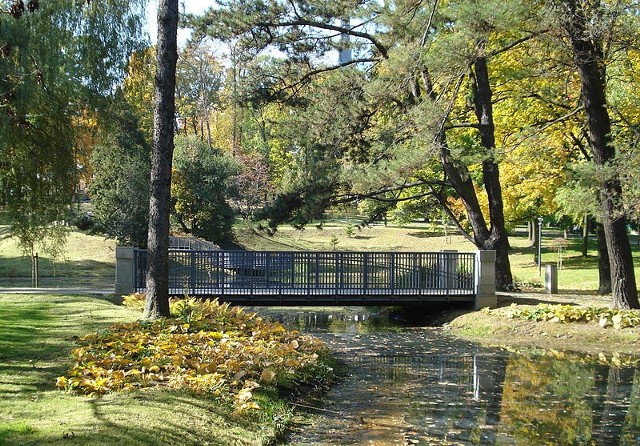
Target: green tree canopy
{"points": [[199, 189], [119, 189], [57, 58]]}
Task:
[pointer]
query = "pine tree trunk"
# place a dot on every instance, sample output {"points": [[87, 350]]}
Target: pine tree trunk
{"points": [[494, 238], [604, 266], [157, 279], [589, 60]]}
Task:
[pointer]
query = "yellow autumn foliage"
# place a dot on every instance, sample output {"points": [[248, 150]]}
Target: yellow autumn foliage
{"points": [[207, 348]]}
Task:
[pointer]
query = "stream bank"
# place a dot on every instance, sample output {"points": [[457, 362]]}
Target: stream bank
{"points": [[495, 328]]}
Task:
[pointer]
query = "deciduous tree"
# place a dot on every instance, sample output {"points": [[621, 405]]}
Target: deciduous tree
{"points": [[56, 61], [199, 189]]}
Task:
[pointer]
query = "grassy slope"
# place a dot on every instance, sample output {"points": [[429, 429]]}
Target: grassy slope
{"points": [[36, 335], [89, 261]]}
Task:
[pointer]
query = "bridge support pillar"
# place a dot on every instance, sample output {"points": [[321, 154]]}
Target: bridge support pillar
{"points": [[124, 271], [485, 280]]}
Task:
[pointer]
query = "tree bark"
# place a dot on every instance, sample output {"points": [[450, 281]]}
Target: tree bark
{"points": [[157, 279], [604, 265], [585, 236], [497, 239], [590, 63]]}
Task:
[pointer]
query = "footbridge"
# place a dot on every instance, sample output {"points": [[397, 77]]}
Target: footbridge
{"points": [[306, 278]]}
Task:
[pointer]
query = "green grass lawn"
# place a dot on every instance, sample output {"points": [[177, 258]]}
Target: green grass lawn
{"points": [[37, 334], [89, 261]]}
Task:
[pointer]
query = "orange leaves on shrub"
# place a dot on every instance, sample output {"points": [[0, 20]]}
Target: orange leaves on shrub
{"points": [[208, 348]]}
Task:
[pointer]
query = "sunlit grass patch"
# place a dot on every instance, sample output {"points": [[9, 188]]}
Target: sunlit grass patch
{"points": [[15, 429], [88, 260]]}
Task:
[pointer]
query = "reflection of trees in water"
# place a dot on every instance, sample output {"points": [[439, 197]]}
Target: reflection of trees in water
{"points": [[523, 400], [336, 322], [460, 403], [469, 396], [560, 402], [611, 409]]}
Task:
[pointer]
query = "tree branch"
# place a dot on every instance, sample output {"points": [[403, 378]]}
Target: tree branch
{"points": [[327, 26], [375, 195], [516, 43], [445, 207]]}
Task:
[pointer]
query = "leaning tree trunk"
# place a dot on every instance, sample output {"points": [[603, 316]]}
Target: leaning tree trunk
{"points": [[589, 60], [498, 239], [157, 280], [494, 238]]}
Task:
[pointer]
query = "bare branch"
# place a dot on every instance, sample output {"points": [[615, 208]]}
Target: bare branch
{"points": [[327, 26], [516, 43], [423, 41]]}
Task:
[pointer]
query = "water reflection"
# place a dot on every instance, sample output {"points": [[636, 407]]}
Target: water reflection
{"points": [[418, 386]]}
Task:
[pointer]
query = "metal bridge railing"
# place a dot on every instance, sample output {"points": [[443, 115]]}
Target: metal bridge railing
{"points": [[198, 272]]}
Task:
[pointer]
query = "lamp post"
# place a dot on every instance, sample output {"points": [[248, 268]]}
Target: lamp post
{"points": [[540, 246]]}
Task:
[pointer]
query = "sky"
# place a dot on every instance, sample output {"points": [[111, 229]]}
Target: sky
{"points": [[190, 6]]}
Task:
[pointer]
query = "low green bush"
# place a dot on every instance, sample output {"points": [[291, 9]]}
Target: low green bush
{"points": [[605, 317]]}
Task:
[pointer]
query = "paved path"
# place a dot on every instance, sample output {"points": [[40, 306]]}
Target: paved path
{"points": [[55, 291]]}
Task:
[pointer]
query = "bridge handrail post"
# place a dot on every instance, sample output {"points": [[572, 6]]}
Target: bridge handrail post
{"points": [[125, 274], [365, 272], [192, 272], [485, 280], [392, 266]]}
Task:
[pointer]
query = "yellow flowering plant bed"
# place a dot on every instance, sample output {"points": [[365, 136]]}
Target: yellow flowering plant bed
{"points": [[206, 347], [570, 313]]}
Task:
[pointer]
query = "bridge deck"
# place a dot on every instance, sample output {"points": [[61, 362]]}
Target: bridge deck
{"points": [[325, 297]]}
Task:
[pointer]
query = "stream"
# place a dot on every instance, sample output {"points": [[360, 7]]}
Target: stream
{"points": [[419, 386]]}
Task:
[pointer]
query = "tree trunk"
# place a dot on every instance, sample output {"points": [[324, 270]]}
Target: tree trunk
{"points": [[157, 279], [483, 237], [604, 265], [585, 236], [498, 239], [589, 60]]}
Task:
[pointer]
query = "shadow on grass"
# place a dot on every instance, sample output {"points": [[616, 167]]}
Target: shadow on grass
{"points": [[505, 301], [276, 245], [19, 332], [151, 417], [37, 334], [425, 234]]}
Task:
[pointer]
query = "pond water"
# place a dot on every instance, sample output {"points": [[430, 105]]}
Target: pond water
{"points": [[409, 386]]}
